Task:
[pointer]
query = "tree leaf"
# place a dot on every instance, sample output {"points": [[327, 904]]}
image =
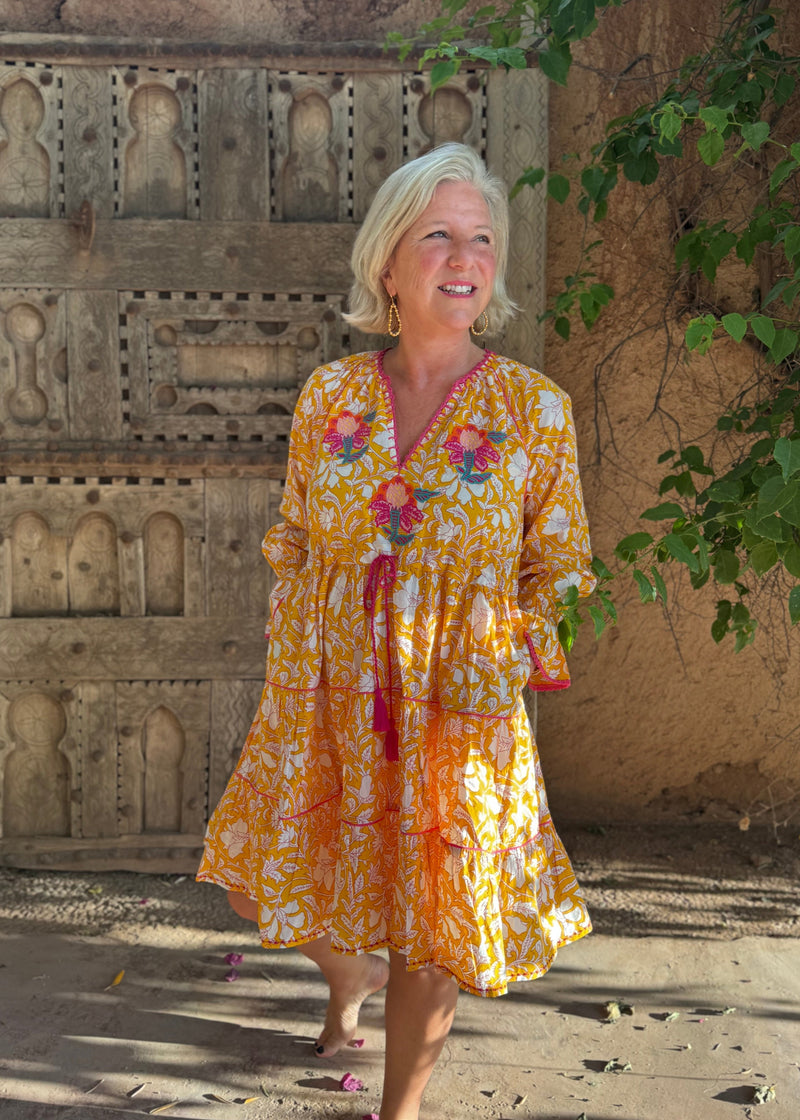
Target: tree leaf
{"points": [[680, 551], [726, 566], [716, 119], [662, 512], [784, 344], [647, 593], [790, 558], [530, 177], [630, 545], [597, 618], [755, 134], [763, 557], [763, 329], [710, 148], [661, 587], [443, 71], [558, 187], [735, 324], [784, 169], [555, 62], [787, 453]]}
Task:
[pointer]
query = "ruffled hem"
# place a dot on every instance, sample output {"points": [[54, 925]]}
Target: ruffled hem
{"points": [[485, 918], [412, 965]]}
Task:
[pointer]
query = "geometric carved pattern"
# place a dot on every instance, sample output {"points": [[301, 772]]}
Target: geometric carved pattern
{"points": [[221, 366]]}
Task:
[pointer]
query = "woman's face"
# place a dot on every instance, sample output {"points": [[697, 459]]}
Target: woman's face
{"points": [[442, 269]]}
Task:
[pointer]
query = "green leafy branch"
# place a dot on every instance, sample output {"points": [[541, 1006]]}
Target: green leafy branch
{"points": [[546, 26]]}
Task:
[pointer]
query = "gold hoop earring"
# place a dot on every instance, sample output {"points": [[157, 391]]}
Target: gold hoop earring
{"points": [[485, 326], [393, 328]]}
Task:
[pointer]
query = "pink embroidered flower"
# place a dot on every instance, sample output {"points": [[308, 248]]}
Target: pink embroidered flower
{"points": [[394, 506], [472, 447], [348, 435]]}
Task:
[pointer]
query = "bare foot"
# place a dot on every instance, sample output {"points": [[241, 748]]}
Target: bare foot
{"points": [[350, 983]]}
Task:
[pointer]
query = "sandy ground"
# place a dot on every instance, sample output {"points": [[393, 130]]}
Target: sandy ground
{"points": [[697, 930]]}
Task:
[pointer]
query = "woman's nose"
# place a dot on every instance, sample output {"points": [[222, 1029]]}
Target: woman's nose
{"points": [[459, 253]]}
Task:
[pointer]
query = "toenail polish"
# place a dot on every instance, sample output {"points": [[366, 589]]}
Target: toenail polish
{"points": [[319, 1049]]}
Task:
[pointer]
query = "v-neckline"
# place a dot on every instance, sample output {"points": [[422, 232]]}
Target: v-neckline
{"points": [[454, 389]]}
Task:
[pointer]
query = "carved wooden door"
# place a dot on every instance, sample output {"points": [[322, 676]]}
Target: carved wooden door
{"points": [[173, 264]]}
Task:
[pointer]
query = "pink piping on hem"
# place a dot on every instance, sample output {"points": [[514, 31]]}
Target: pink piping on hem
{"points": [[455, 388], [378, 820], [512, 975], [403, 699]]}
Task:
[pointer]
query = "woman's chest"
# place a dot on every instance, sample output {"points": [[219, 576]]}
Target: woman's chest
{"points": [[446, 475]]}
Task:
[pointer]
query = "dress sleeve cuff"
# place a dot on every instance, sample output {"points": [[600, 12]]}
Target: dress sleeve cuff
{"points": [[549, 670]]}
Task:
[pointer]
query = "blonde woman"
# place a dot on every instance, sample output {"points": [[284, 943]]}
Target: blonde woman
{"points": [[389, 794]]}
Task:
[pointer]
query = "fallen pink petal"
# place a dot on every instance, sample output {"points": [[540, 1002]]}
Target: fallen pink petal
{"points": [[351, 1084], [234, 958], [232, 975]]}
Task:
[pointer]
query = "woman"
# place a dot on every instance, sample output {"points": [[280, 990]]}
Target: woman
{"points": [[389, 794]]}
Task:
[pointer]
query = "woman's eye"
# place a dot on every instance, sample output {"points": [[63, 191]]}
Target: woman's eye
{"points": [[438, 233]]}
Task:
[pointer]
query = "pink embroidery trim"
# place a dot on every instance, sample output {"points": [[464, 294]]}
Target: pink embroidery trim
{"points": [[548, 683], [455, 388]]}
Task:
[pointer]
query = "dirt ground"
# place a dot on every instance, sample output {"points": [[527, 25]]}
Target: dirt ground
{"points": [[697, 929]]}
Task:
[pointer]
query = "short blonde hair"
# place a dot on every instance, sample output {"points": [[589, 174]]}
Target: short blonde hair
{"points": [[398, 203]]}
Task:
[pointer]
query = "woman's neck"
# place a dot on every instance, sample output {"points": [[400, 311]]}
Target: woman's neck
{"points": [[443, 361]]}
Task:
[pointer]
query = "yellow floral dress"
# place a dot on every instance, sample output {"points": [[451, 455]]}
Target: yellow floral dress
{"points": [[389, 792]]}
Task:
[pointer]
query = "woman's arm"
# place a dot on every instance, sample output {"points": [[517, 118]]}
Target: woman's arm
{"points": [[556, 553], [286, 544]]}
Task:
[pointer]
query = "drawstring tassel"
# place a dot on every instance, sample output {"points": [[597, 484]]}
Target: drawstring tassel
{"points": [[381, 575], [380, 716], [391, 746]]}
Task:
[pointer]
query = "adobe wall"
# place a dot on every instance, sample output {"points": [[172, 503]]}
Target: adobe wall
{"points": [[659, 720]]}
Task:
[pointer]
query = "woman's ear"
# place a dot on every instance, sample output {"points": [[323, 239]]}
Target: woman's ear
{"points": [[388, 282]]}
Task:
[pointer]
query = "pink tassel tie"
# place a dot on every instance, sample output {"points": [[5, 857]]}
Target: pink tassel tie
{"points": [[381, 575]]}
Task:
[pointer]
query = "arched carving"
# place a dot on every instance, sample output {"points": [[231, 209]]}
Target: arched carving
{"points": [[163, 745], [37, 775], [38, 568], [93, 567], [24, 162], [310, 177], [24, 327], [155, 166], [445, 115], [163, 565]]}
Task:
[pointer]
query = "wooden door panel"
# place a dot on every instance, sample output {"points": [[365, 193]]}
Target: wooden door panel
{"points": [[174, 262]]}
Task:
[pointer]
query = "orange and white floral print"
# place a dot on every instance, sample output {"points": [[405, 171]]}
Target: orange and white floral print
{"points": [[446, 853]]}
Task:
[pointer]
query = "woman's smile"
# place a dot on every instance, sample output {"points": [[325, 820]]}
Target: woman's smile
{"points": [[448, 252]]}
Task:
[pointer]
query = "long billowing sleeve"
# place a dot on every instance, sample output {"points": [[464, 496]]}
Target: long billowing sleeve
{"points": [[556, 553], [286, 544]]}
